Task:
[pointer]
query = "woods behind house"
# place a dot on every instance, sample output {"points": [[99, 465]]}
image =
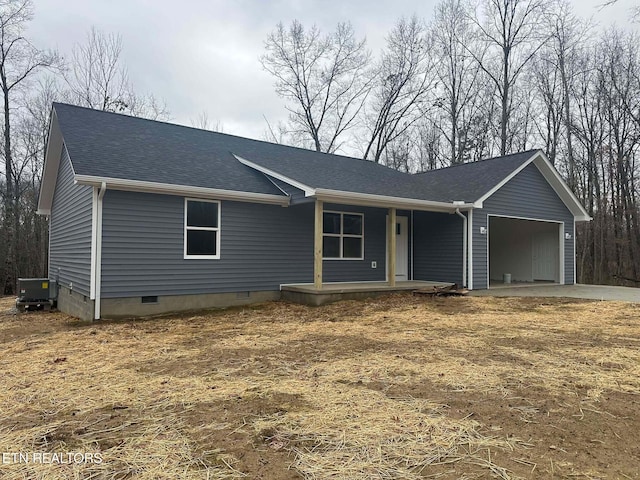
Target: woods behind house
{"points": [[475, 80]]}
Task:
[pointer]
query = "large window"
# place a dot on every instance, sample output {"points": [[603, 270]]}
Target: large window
{"points": [[343, 235], [201, 229]]}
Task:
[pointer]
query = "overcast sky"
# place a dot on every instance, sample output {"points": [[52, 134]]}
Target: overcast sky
{"points": [[202, 55]]}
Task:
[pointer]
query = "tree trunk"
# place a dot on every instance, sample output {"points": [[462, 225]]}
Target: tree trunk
{"points": [[11, 219], [505, 102]]}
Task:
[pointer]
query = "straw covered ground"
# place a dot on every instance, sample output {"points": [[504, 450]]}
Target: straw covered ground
{"points": [[397, 387]]}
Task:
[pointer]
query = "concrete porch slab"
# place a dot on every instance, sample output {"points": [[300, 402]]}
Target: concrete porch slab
{"points": [[307, 294]]}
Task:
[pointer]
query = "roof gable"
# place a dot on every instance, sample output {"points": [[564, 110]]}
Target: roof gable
{"points": [[471, 181], [475, 182]]}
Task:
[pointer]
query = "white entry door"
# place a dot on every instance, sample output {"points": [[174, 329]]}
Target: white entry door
{"points": [[545, 256], [402, 248]]}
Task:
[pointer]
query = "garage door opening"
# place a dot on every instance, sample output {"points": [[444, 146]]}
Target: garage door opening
{"points": [[524, 251]]}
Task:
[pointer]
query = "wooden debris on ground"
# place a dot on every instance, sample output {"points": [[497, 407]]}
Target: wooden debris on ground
{"points": [[442, 291]]}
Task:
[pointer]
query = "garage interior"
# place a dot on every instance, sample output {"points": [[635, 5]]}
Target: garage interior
{"points": [[523, 251]]}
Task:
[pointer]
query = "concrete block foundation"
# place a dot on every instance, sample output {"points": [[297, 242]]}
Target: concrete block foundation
{"points": [[75, 303], [134, 306]]}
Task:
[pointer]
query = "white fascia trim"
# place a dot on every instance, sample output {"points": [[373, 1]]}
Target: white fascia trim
{"points": [[55, 144], [562, 189], [355, 198], [181, 190], [372, 200], [308, 191]]}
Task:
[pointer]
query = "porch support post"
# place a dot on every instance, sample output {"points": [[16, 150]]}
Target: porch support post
{"points": [[317, 247], [391, 248]]}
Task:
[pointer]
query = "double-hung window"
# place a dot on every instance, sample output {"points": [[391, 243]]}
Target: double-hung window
{"points": [[201, 229], [342, 235]]}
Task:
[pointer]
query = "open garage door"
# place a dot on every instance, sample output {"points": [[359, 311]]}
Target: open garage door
{"points": [[527, 251]]}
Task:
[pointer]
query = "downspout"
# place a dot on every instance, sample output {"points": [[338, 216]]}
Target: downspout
{"points": [[464, 247], [98, 257]]}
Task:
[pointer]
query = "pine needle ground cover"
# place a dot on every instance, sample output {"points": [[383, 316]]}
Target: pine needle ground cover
{"points": [[387, 388]]}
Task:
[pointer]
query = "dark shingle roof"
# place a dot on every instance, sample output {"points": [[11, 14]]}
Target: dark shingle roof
{"points": [[105, 144], [470, 181], [335, 172]]}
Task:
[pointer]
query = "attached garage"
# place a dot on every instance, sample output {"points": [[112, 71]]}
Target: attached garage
{"points": [[522, 223], [525, 250]]}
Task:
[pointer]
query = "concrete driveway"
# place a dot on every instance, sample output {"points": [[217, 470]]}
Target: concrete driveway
{"points": [[593, 292]]}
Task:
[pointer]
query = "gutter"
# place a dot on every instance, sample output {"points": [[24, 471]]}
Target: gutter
{"points": [[98, 256], [181, 190], [385, 201], [464, 246]]}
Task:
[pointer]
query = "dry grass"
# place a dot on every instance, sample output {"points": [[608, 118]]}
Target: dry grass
{"points": [[356, 390]]}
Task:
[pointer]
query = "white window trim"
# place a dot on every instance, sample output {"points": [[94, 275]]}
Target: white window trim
{"points": [[343, 235], [208, 229]]}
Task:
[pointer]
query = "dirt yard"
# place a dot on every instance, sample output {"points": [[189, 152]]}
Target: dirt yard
{"points": [[391, 388]]}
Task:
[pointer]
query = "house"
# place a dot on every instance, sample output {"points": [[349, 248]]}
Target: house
{"points": [[148, 217]]}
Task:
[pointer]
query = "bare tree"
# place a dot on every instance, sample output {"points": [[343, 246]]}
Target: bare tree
{"points": [[203, 122], [97, 79], [511, 30], [19, 61], [459, 97], [324, 78], [403, 78], [568, 34], [30, 139], [546, 81], [635, 11]]}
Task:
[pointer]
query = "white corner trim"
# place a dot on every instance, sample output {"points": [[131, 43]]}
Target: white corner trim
{"points": [[308, 191], [562, 252], [470, 255], [97, 283], [575, 280], [94, 241], [181, 190]]}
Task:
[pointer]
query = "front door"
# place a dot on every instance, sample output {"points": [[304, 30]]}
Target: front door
{"points": [[402, 248]]}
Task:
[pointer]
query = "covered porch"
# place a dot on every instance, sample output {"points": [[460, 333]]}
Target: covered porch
{"points": [[397, 238]]}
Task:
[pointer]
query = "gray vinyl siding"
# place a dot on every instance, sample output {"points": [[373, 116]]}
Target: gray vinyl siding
{"points": [[438, 247], [261, 247], [527, 195], [70, 230]]}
